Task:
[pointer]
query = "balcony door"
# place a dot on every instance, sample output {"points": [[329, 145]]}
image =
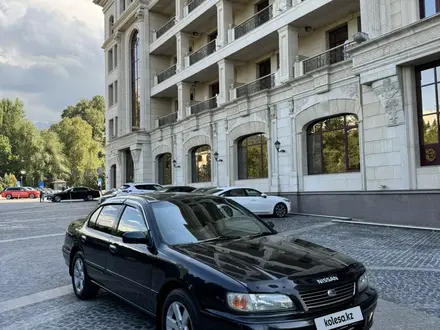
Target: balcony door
{"points": [[264, 68], [214, 89], [337, 37], [261, 5]]}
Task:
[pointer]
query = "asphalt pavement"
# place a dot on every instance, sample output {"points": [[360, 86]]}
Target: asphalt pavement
{"points": [[36, 293]]}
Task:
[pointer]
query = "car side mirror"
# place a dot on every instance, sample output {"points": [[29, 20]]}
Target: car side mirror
{"points": [[264, 195], [138, 237]]}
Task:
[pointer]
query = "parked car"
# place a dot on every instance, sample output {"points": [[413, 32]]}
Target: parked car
{"points": [[109, 194], [193, 265], [202, 190], [171, 188], [136, 188], [255, 201], [19, 192], [85, 193]]}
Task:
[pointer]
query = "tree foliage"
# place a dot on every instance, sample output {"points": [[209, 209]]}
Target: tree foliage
{"points": [[69, 150]]}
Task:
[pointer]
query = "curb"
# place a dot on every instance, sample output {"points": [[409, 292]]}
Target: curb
{"points": [[322, 216]]}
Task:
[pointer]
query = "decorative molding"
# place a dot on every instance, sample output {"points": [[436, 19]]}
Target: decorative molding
{"points": [[118, 158], [135, 154], [272, 108], [350, 90], [226, 125], [291, 107], [390, 96], [214, 129], [118, 37], [140, 14]]}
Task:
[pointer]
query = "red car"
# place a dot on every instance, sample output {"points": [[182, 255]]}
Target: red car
{"points": [[19, 192]]}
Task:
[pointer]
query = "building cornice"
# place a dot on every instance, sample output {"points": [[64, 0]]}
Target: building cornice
{"points": [[101, 3]]}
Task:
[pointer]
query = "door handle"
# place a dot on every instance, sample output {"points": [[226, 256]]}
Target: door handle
{"points": [[112, 248], [83, 238]]}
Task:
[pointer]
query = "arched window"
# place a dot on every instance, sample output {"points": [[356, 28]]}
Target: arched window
{"points": [[428, 104], [111, 23], [164, 172], [333, 145], [201, 164], [252, 157], [135, 80]]}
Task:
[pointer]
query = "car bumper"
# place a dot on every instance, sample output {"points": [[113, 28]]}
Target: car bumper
{"points": [[367, 302]]}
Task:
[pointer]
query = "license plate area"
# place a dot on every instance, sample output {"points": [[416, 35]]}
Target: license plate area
{"points": [[340, 319]]}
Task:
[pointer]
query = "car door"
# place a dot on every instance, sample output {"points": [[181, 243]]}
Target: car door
{"points": [[238, 195], [258, 204], [130, 265], [81, 193], [96, 241]]}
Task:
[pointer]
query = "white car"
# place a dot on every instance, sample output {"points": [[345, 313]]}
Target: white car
{"points": [[139, 187], [254, 200]]}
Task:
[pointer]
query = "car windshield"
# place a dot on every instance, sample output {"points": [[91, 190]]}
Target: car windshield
{"points": [[213, 191], [192, 220]]}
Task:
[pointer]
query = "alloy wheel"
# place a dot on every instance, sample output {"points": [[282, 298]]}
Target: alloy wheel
{"points": [[280, 210], [178, 317], [8, 196], [79, 275]]}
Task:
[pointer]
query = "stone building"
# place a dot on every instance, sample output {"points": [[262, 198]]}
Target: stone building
{"points": [[334, 103]]}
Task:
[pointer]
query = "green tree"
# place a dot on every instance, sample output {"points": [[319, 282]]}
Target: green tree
{"points": [[93, 112], [80, 149], [5, 153], [55, 164]]}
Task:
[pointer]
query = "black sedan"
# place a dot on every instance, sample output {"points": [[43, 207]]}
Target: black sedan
{"points": [[84, 193], [200, 262]]}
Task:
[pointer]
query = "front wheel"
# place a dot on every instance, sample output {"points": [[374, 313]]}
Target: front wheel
{"points": [[89, 198], [82, 286], [31, 196], [179, 312], [57, 199], [280, 210], [8, 196]]}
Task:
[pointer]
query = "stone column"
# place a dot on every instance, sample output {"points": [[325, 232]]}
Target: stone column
{"points": [[288, 45], [120, 66], [224, 19], [135, 154], [371, 17], [182, 49], [183, 98], [283, 5], [140, 15], [180, 8], [226, 76]]}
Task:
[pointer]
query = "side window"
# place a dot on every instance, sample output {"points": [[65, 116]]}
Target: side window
{"points": [[140, 187], [237, 193], [252, 193], [93, 217], [107, 218], [131, 220]]}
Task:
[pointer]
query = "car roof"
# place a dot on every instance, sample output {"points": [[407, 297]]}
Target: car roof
{"points": [[234, 187], [156, 197]]}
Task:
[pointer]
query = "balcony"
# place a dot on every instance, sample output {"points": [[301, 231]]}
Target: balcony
{"points": [[255, 21], [325, 59], [266, 82], [203, 52], [167, 73], [164, 28], [193, 5], [208, 104], [168, 119]]}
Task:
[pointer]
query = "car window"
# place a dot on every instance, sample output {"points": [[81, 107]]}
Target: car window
{"points": [[234, 193], [212, 191], [124, 186], [131, 220], [191, 220], [93, 217], [252, 192], [107, 218]]}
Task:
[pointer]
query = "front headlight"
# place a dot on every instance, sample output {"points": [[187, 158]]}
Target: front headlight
{"points": [[362, 282], [260, 302]]}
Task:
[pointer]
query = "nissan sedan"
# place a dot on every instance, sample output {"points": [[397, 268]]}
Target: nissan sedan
{"points": [[201, 262]]}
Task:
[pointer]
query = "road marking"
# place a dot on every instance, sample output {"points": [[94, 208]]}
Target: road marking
{"points": [[34, 298], [30, 237]]}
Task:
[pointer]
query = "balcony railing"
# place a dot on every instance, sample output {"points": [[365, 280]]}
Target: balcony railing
{"points": [[255, 21], [255, 86], [329, 57], [164, 28], [203, 52], [204, 105], [194, 4], [167, 73], [168, 119]]}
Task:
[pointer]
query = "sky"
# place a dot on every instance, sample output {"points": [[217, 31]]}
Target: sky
{"points": [[50, 54]]}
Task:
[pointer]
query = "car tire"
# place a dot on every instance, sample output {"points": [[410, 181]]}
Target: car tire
{"points": [[280, 210], [82, 286], [180, 299], [8, 196], [89, 198], [31, 196], [57, 199]]}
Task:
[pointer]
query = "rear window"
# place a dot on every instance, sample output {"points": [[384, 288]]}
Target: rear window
{"points": [[148, 187]]}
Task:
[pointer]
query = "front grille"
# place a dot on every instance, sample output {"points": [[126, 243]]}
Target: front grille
{"points": [[320, 298]]}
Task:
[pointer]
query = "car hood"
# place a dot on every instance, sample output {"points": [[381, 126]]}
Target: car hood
{"points": [[272, 257]]}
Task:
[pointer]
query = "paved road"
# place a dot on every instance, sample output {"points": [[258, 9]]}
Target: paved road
{"points": [[35, 290]]}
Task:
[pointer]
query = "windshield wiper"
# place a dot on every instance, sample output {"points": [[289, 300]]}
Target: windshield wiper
{"points": [[259, 235], [218, 238]]}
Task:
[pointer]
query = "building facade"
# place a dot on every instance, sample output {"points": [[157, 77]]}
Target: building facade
{"points": [[333, 103]]}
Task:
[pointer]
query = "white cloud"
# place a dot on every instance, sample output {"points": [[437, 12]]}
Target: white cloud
{"points": [[50, 54]]}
